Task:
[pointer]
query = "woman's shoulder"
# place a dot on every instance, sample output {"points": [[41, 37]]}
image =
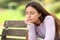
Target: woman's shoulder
{"points": [[49, 18]]}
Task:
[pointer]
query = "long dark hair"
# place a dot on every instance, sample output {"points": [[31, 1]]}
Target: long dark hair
{"points": [[43, 13]]}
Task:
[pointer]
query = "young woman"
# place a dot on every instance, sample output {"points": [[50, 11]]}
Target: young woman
{"points": [[39, 22]]}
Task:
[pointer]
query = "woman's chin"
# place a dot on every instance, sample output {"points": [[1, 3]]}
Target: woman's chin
{"points": [[31, 22]]}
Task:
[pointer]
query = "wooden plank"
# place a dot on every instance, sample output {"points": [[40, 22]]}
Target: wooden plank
{"points": [[16, 37], [14, 24], [17, 28], [12, 39], [14, 32]]}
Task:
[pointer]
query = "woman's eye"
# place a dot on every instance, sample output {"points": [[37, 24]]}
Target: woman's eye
{"points": [[32, 13]]}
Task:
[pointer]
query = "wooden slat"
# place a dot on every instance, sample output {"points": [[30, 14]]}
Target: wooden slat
{"points": [[14, 24], [13, 32], [12, 39], [17, 28], [16, 37]]}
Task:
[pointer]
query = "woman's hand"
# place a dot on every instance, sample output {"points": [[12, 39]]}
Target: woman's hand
{"points": [[27, 21]]}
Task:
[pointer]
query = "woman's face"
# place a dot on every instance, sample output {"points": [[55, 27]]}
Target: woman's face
{"points": [[32, 14]]}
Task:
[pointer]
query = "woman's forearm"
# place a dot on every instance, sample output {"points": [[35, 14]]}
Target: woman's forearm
{"points": [[31, 32]]}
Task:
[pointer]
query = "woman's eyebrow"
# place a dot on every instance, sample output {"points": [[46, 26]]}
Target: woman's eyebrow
{"points": [[31, 11]]}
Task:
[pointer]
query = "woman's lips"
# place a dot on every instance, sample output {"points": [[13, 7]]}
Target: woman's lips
{"points": [[29, 19]]}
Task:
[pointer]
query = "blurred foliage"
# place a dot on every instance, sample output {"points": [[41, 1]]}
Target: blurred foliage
{"points": [[48, 1], [53, 7], [9, 5], [5, 3], [21, 8], [10, 14], [51, 1], [12, 5]]}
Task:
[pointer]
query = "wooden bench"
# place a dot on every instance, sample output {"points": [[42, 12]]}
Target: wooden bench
{"points": [[14, 30]]}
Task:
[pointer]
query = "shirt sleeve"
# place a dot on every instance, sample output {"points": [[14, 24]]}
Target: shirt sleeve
{"points": [[50, 28], [31, 32]]}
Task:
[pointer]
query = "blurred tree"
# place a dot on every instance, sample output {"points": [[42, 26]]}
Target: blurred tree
{"points": [[1, 1], [55, 7], [48, 1], [4, 3], [56, 0], [12, 5], [51, 1]]}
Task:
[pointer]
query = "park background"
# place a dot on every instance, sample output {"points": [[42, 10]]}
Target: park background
{"points": [[15, 9]]}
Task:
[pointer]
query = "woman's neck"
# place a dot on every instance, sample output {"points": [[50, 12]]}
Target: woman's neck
{"points": [[38, 22]]}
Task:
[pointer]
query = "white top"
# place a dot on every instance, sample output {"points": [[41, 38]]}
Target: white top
{"points": [[46, 30]]}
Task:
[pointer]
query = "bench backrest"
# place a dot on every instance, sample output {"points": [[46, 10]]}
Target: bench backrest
{"points": [[14, 30]]}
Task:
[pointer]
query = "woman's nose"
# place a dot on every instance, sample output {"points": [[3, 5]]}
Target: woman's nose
{"points": [[29, 16]]}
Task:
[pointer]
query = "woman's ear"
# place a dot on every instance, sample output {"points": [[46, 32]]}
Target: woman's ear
{"points": [[39, 14]]}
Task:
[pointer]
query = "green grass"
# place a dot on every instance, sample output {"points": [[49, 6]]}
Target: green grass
{"points": [[11, 15]]}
